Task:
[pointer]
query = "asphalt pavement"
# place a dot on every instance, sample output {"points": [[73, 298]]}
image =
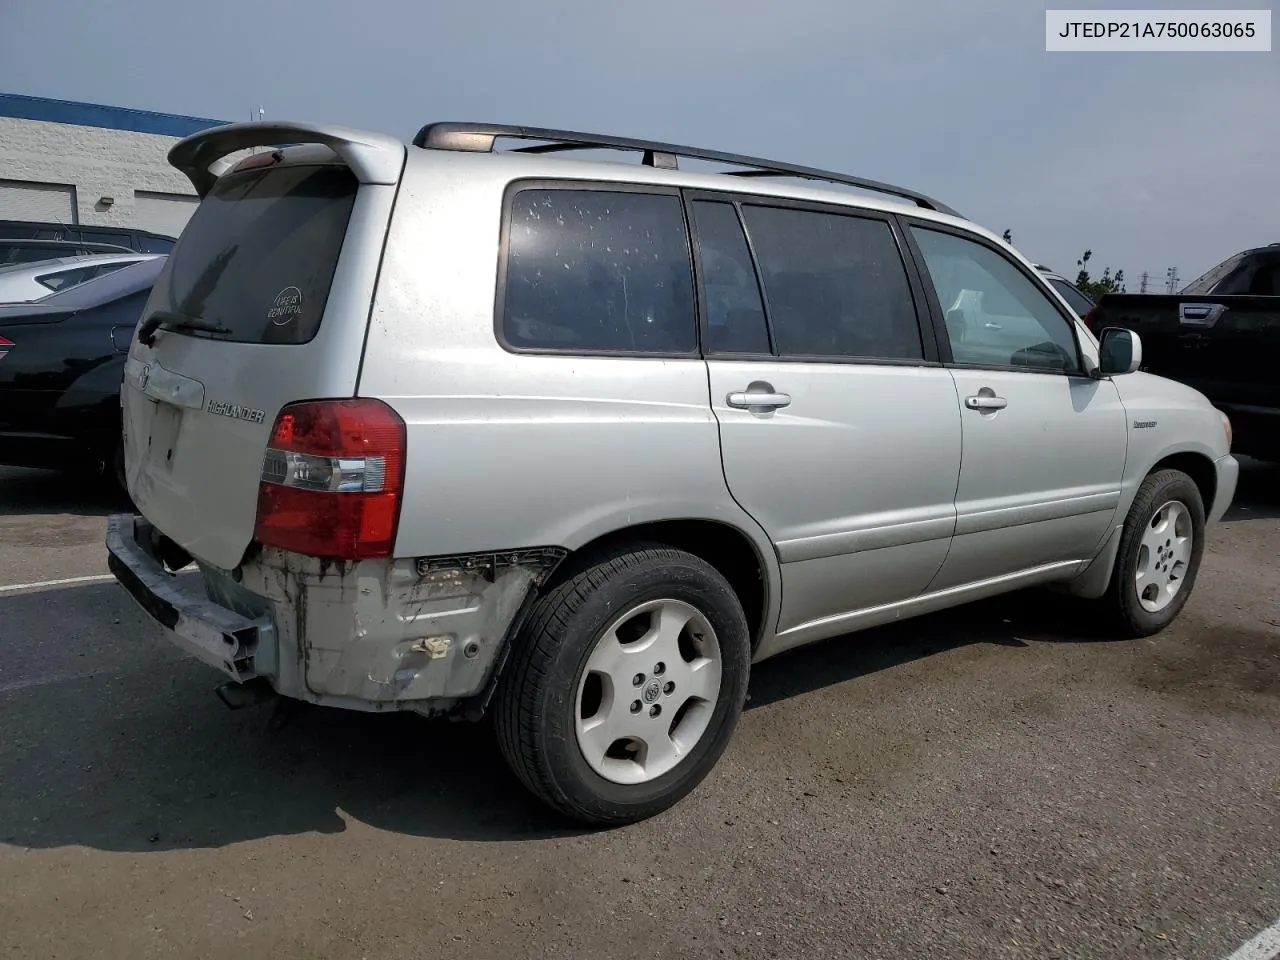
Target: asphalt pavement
{"points": [[1000, 781]]}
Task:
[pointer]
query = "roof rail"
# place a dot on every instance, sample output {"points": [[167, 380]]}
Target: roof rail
{"points": [[481, 137]]}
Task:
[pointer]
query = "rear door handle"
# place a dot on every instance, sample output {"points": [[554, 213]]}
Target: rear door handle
{"points": [[985, 403], [758, 400]]}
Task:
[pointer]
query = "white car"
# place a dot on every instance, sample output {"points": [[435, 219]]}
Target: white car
{"points": [[25, 282]]}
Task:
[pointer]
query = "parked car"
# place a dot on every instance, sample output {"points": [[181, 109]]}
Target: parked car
{"points": [[1220, 335], [446, 427], [25, 282], [61, 363], [33, 251], [131, 238], [1079, 301]]}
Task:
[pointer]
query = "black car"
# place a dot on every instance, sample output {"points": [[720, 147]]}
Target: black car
{"points": [[138, 241], [61, 365]]}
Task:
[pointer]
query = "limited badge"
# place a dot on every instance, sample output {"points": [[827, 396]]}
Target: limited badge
{"points": [[286, 306]]}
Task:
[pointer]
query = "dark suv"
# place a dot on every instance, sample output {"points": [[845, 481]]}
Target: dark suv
{"points": [[139, 241]]}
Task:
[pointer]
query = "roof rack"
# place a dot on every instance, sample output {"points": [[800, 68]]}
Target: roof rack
{"points": [[480, 138]]}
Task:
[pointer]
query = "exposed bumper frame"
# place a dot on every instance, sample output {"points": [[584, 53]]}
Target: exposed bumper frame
{"points": [[211, 633]]}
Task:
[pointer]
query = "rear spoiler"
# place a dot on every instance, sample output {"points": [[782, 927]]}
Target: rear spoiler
{"points": [[372, 157]]}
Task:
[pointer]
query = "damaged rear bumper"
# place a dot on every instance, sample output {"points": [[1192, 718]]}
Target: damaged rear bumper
{"points": [[423, 635], [219, 637]]}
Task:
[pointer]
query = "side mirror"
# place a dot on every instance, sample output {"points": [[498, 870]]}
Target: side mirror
{"points": [[1119, 351]]}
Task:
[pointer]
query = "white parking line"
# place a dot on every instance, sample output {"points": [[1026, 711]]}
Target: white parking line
{"points": [[1265, 946], [96, 578]]}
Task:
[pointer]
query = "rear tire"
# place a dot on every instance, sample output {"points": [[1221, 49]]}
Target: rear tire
{"points": [[1161, 546], [643, 625]]}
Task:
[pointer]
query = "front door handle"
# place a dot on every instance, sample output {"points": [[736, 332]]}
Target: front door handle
{"points": [[983, 402], [758, 397]]}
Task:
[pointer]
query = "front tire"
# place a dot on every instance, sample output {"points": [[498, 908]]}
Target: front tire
{"points": [[625, 684], [1161, 546]]}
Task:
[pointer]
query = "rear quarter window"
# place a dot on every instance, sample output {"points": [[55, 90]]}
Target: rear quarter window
{"points": [[259, 253], [598, 271], [62, 279]]}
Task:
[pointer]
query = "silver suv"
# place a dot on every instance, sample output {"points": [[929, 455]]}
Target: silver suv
{"points": [[464, 430]]}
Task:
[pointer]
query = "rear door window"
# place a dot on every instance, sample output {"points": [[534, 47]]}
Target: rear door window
{"points": [[730, 291], [598, 271], [259, 253], [835, 285]]}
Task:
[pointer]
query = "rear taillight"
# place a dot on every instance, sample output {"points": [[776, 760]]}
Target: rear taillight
{"points": [[1091, 321], [5, 346], [332, 479]]}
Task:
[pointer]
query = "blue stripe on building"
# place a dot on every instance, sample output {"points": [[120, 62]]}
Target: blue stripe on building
{"points": [[22, 107]]}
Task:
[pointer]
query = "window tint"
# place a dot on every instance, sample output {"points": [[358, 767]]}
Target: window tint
{"points": [[1078, 301], [155, 244], [1234, 283], [1254, 278], [101, 236], [105, 288], [63, 279], [18, 253], [598, 270], [731, 293], [995, 315], [112, 267], [1206, 282], [835, 285], [259, 253], [1265, 281]]}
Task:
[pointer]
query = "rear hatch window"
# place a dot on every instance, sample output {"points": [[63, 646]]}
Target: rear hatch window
{"points": [[257, 258]]}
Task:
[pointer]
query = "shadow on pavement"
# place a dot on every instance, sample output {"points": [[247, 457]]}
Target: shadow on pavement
{"points": [[141, 755], [1257, 493], [110, 740], [1011, 620], [45, 492]]}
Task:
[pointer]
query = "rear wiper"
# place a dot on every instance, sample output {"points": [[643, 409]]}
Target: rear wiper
{"points": [[171, 320]]}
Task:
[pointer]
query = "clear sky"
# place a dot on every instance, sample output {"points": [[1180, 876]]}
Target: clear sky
{"points": [[1151, 160]]}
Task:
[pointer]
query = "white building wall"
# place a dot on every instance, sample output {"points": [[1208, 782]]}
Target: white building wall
{"points": [[98, 162]]}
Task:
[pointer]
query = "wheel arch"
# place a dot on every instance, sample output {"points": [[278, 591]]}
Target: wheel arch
{"points": [[1093, 580], [737, 555], [1198, 466]]}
